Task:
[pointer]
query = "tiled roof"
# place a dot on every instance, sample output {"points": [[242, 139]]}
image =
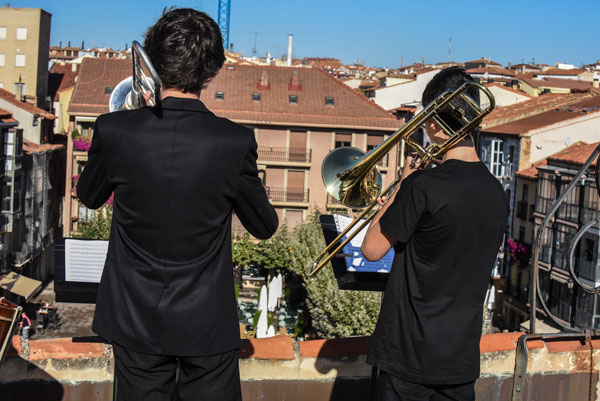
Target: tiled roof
{"points": [[61, 77], [482, 61], [558, 83], [558, 71], [586, 105], [509, 89], [10, 98], [577, 153], [6, 117], [531, 172], [503, 115], [490, 69], [239, 83], [95, 75], [31, 147]]}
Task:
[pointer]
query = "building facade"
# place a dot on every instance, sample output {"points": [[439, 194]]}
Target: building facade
{"points": [[24, 50], [297, 114]]}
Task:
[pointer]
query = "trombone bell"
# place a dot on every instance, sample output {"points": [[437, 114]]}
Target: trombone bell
{"points": [[129, 93], [350, 186]]}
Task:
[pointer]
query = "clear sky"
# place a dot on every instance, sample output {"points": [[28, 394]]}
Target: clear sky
{"points": [[381, 33]]}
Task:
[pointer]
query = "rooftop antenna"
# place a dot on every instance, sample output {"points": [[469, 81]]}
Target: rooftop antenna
{"points": [[254, 48], [224, 14]]}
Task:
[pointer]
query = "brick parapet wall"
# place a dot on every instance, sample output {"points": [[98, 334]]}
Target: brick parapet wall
{"points": [[281, 358]]}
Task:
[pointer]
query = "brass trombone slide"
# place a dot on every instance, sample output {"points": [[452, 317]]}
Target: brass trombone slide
{"points": [[355, 181]]}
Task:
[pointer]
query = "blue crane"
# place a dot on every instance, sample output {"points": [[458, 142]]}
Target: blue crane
{"points": [[224, 12]]}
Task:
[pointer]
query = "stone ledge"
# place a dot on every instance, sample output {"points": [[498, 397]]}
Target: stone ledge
{"points": [[282, 347]]}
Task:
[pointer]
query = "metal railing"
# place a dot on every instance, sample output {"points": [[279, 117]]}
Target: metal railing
{"points": [[288, 194], [274, 154]]}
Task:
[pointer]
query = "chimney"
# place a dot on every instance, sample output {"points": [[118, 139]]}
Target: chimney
{"points": [[60, 44], [264, 80], [596, 83], [295, 82], [69, 43], [289, 54], [82, 45], [231, 47], [19, 91]]}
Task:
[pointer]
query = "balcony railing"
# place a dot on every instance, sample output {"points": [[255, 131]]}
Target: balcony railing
{"points": [[268, 153], [287, 194]]}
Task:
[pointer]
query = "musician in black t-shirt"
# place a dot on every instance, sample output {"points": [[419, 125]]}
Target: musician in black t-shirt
{"points": [[446, 224]]}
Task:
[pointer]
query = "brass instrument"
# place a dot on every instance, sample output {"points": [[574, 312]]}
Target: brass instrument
{"points": [[353, 178], [129, 93]]}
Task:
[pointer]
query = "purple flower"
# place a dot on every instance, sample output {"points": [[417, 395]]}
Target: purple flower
{"points": [[82, 144]]}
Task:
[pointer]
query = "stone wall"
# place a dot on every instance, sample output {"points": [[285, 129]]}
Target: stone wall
{"points": [[280, 368]]}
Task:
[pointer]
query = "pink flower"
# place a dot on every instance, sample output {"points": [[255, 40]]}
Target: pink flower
{"points": [[82, 144]]}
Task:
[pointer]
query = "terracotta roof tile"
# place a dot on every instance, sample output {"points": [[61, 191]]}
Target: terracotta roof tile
{"points": [[10, 98], [509, 89], [31, 147], [95, 75], [577, 153], [558, 83], [587, 105], [482, 61], [491, 69], [531, 172], [503, 115], [238, 83], [6, 117], [558, 71]]}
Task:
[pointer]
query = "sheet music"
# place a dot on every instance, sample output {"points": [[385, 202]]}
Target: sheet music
{"points": [[84, 260], [355, 260]]}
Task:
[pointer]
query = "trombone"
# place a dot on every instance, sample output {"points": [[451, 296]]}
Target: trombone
{"points": [[353, 178], [129, 93]]}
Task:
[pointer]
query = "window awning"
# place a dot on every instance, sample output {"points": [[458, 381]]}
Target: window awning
{"points": [[20, 285]]}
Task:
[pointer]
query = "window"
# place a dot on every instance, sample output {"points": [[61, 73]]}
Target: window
{"points": [[20, 60], [328, 100], [108, 90], [220, 95], [496, 166], [21, 33], [293, 99], [2, 59], [256, 97], [2, 32], [343, 140]]}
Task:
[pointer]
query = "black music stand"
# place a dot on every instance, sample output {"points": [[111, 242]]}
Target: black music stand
{"points": [[352, 272]]}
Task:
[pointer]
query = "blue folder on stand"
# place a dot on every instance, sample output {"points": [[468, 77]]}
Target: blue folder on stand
{"points": [[351, 269]]}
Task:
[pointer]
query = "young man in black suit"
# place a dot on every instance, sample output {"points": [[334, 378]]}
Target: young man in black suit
{"points": [[446, 225], [167, 295]]}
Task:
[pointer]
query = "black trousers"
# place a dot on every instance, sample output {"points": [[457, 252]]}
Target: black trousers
{"points": [[150, 377], [392, 388]]}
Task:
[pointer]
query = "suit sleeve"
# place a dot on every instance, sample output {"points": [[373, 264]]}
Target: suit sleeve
{"points": [[251, 204], [93, 187]]}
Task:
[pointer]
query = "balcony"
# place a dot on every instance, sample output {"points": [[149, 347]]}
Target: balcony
{"points": [[273, 154], [277, 194]]}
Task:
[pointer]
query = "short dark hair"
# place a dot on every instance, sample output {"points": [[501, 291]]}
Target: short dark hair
{"points": [[449, 79], [186, 49]]}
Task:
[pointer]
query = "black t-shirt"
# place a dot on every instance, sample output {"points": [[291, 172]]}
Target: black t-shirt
{"points": [[449, 222]]}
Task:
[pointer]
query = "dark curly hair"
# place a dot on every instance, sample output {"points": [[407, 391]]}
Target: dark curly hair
{"points": [[449, 79], [186, 48]]}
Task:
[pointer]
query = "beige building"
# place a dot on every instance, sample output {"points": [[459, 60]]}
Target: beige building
{"points": [[24, 49], [298, 115]]}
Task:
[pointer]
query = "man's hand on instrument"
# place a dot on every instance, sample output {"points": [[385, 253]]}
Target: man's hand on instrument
{"points": [[147, 97], [411, 164]]}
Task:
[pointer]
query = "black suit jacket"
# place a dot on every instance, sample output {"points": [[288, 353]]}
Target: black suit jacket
{"points": [[167, 285]]}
